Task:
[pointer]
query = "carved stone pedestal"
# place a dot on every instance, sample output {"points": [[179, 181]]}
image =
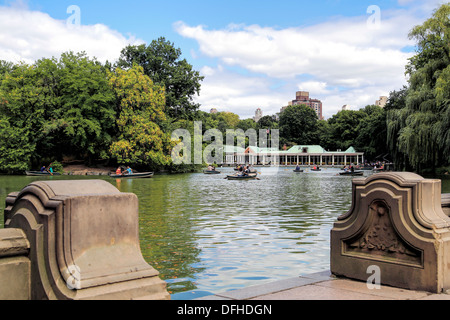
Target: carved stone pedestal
{"points": [[83, 241], [396, 223]]}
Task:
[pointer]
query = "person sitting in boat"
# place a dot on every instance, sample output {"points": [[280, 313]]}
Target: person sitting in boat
{"points": [[246, 171], [297, 168], [129, 171], [119, 171], [43, 169]]}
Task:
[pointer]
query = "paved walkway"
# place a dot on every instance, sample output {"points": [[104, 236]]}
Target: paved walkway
{"points": [[323, 286]]}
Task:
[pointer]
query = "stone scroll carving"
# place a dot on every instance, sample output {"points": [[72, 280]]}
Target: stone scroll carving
{"points": [[397, 223], [84, 241]]}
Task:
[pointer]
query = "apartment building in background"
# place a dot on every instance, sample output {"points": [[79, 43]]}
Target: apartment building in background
{"points": [[258, 115], [382, 102], [302, 97]]}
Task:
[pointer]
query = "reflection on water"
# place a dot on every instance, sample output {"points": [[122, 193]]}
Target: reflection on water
{"points": [[205, 234]]}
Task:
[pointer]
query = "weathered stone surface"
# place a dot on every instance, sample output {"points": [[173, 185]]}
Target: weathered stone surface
{"points": [[396, 223], [84, 241], [445, 199], [14, 265], [13, 242], [15, 278]]}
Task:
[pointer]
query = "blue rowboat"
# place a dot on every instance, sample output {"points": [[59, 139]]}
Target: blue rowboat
{"points": [[41, 173]]}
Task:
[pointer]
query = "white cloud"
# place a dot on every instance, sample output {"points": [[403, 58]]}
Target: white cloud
{"points": [[31, 35], [241, 94], [343, 60]]}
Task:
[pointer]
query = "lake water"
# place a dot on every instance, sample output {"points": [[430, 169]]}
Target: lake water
{"points": [[207, 235]]}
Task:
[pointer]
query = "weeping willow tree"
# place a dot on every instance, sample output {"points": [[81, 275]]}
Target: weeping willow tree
{"points": [[419, 127]]}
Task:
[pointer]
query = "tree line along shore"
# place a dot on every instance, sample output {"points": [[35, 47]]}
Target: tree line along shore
{"points": [[123, 113]]}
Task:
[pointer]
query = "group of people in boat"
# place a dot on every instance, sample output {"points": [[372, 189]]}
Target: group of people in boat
{"points": [[124, 171], [350, 168], [48, 169], [244, 170]]}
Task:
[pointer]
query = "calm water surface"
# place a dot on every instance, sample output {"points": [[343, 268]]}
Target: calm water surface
{"points": [[207, 235]]}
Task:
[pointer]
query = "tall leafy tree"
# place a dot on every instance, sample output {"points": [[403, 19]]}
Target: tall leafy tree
{"points": [[344, 128], [371, 133], [83, 120], [162, 62], [21, 109], [324, 135], [421, 127], [298, 125], [140, 107]]}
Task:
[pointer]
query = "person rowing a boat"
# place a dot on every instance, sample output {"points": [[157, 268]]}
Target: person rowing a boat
{"points": [[129, 171], [50, 169], [246, 171]]}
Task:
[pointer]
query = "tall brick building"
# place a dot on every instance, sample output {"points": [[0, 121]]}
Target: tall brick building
{"points": [[302, 97]]}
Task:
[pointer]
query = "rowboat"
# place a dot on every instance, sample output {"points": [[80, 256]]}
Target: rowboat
{"points": [[298, 170], [132, 176], [237, 177], [40, 173], [211, 172], [316, 169], [349, 173]]}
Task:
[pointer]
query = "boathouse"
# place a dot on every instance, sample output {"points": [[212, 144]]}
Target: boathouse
{"points": [[296, 155]]}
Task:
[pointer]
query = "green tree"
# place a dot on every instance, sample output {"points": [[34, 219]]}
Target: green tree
{"points": [[162, 62], [80, 119], [395, 121], [344, 128], [298, 125], [267, 122], [21, 109], [246, 124], [140, 108], [324, 135], [5, 66], [15, 150], [421, 128], [372, 133]]}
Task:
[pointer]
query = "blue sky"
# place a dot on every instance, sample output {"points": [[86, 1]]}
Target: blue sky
{"points": [[149, 20], [252, 53]]}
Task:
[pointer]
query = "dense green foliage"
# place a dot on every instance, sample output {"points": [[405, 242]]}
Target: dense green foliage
{"points": [[76, 108], [162, 62], [418, 117], [298, 125], [140, 107]]}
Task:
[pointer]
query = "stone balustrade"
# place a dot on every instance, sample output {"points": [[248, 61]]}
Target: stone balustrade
{"points": [[397, 226], [74, 240]]}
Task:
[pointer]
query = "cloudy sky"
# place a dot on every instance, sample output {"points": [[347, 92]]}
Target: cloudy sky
{"points": [[253, 53]]}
